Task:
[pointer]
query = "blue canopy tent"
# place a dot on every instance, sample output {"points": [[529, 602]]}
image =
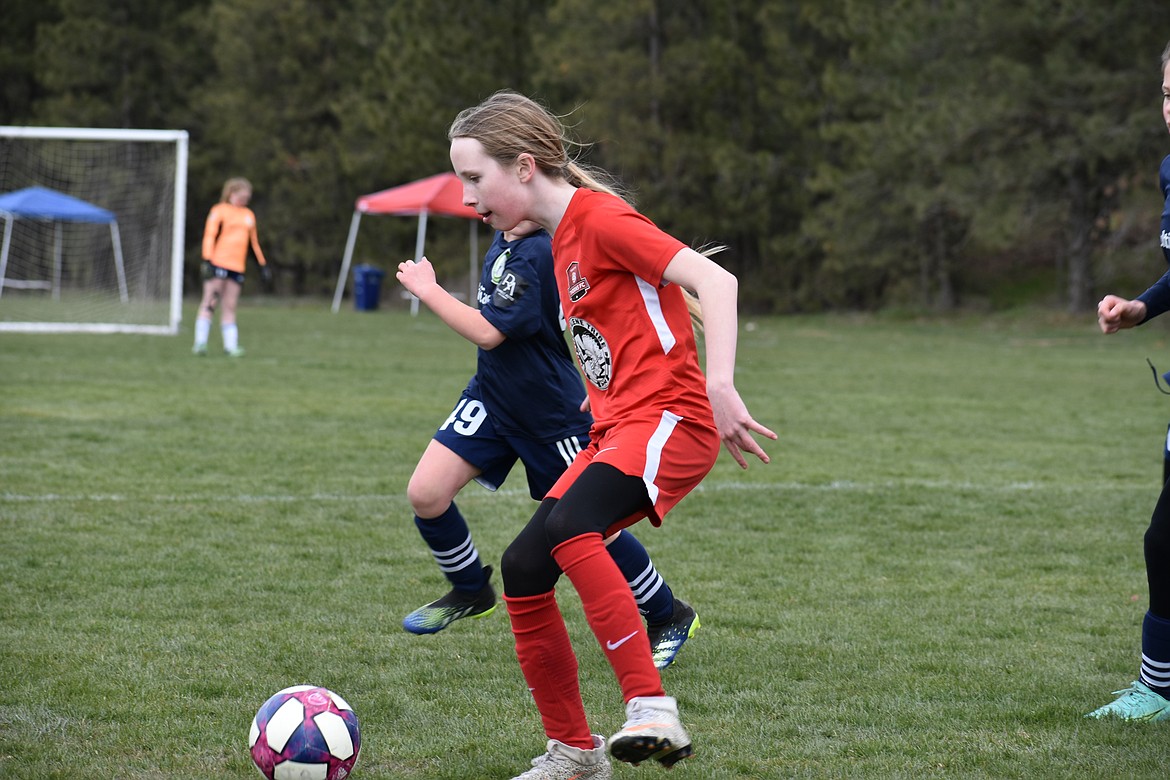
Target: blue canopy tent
{"points": [[48, 205]]}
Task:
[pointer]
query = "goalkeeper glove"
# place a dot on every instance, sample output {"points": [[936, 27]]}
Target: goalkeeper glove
{"points": [[266, 274]]}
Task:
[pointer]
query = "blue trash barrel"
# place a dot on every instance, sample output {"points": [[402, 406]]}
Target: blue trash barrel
{"points": [[367, 287]]}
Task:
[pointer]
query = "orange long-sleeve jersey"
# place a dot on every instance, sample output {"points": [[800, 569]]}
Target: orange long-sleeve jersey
{"points": [[226, 237]]}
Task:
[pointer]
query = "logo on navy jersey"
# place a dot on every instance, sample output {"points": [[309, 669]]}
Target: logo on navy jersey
{"points": [[509, 290], [498, 266], [578, 284], [592, 353], [1165, 239]]}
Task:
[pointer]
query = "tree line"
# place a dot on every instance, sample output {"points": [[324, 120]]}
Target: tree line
{"points": [[852, 155]]}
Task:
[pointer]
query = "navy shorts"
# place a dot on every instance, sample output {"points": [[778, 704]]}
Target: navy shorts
{"points": [[469, 433]]}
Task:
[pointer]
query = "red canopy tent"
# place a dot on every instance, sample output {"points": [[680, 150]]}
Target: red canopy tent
{"points": [[441, 194]]}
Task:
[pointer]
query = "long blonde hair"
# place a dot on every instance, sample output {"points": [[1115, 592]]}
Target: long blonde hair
{"points": [[509, 124]]}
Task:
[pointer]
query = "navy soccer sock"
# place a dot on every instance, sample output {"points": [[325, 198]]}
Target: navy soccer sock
{"points": [[450, 541], [654, 597], [1155, 672]]}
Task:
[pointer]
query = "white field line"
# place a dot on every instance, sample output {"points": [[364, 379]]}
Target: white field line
{"points": [[730, 486]]}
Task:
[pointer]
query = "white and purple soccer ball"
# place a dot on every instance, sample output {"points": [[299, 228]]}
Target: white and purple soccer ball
{"points": [[305, 733]]}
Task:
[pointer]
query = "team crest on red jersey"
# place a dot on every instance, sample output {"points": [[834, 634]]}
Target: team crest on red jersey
{"points": [[578, 284], [593, 353]]}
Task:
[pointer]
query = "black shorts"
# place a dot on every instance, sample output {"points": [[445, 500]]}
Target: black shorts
{"points": [[210, 271]]}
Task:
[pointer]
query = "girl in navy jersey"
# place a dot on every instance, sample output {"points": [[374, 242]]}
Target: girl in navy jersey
{"points": [[658, 421], [524, 403], [1148, 697]]}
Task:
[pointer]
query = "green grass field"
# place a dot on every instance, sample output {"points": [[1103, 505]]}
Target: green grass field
{"points": [[937, 576]]}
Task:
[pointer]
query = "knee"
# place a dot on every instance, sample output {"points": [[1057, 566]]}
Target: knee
{"points": [[425, 499], [527, 572], [519, 561], [562, 525]]}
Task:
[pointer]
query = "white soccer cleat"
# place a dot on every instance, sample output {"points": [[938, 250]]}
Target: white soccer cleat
{"points": [[562, 762], [652, 730]]}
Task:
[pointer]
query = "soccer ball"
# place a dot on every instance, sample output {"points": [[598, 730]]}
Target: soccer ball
{"points": [[305, 733]]}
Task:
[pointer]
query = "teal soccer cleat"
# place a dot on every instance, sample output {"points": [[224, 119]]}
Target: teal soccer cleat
{"points": [[1137, 702]]}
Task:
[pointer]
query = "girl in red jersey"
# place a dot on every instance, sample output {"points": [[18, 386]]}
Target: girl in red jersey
{"points": [[229, 233], [657, 425]]}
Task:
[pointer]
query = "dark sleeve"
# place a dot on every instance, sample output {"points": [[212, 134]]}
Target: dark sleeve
{"points": [[514, 305], [1157, 298]]}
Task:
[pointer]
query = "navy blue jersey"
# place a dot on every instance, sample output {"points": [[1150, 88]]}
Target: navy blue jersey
{"points": [[1157, 298], [528, 383], [1164, 183]]}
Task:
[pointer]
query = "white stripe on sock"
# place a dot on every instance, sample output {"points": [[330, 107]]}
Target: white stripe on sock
{"points": [[646, 584], [1155, 674], [456, 558]]}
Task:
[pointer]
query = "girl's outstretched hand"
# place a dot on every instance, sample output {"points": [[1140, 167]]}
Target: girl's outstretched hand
{"points": [[416, 277], [736, 425]]}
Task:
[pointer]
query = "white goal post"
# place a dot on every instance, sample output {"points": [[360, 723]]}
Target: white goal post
{"points": [[92, 229]]}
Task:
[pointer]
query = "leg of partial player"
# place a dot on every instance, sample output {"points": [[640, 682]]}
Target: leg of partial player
{"points": [[1148, 697]]}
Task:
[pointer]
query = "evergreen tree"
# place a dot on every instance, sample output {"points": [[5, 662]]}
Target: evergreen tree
{"points": [[433, 59], [851, 154], [129, 64], [20, 87], [270, 111], [701, 108], [962, 129]]}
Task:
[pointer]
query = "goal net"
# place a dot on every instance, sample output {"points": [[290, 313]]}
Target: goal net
{"points": [[91, 229]]}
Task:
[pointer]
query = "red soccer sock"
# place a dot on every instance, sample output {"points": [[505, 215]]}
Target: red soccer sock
{"points": [[550, 667], [612, 613]]}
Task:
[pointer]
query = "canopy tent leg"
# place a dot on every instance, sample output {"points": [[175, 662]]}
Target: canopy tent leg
{"points": [[346, 259], [119, 266], [473, 267], [419, 246], [56, 261], [4, 250]]}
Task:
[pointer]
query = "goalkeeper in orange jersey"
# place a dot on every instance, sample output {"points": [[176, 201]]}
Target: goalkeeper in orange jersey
{"points": [[229, 232]]}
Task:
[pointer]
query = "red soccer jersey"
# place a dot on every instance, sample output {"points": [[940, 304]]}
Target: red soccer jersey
{"points": [[631, 330]]}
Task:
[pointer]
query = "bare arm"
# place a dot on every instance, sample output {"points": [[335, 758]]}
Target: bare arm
{"points": [[467, 321], [717, 291], [255, 238]]}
